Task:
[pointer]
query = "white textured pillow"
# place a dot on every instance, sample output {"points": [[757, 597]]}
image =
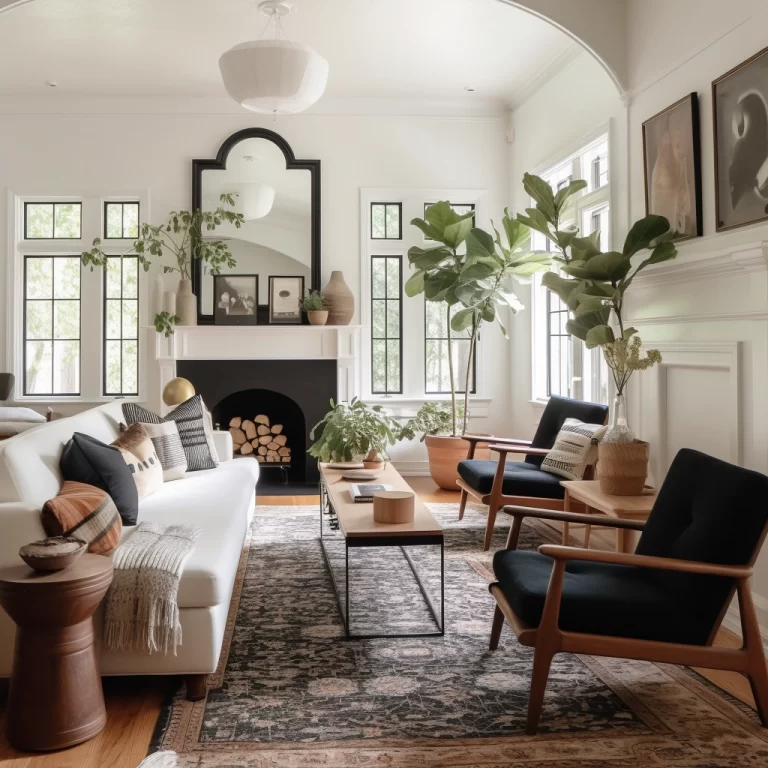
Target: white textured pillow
{"points": [[10, 413], [165, 438], [574, 449], [140, 455]]}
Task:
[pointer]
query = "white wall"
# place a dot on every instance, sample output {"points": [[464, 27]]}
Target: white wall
{"points": [[99, 152]]}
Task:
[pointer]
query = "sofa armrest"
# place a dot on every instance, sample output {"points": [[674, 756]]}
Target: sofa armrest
{"points": [[20, 524], [223, 442]]}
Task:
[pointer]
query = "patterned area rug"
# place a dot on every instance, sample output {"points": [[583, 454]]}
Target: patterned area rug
{"points": [[291, 692]]}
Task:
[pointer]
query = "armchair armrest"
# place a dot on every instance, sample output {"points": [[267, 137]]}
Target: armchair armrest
{"points": [[574, 517], [505, 448], [562, 553], [473, 440]]}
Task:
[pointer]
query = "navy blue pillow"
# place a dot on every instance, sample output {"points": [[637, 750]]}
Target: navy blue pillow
{"points": [[87, 460]]}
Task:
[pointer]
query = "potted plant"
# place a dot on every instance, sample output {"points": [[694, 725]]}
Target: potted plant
{"points": [[594, 286], [473, 283], [181, 237], [314, 305], [354, 432]]}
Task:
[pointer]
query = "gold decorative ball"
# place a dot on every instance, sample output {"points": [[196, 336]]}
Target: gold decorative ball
{"points": [[178, 391]]}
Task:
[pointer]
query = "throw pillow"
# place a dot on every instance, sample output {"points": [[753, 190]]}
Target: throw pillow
{"points": [[574, 450], [87, 460], [165, 438], [140, 456], [196, 436], [85, 512], [12, 413]]}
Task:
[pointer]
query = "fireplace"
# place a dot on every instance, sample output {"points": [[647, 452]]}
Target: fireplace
{"points": [[290, 394]]}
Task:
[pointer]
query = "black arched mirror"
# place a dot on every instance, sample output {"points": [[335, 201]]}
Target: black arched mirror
{"points": [[279, 197]]}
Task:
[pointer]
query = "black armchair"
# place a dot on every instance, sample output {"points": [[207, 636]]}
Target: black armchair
{"points": [[497, 483], [666, 602]]}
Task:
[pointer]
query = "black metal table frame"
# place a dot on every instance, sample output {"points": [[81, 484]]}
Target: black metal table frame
{"points": [[356, 542]]}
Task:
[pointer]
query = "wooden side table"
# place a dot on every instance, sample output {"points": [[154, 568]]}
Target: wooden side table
{"points": [[622, 507], [55, 698]]}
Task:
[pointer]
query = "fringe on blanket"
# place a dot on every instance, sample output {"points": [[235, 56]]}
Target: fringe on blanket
{"points": [[142, 611]]}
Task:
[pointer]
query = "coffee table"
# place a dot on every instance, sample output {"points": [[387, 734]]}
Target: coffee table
{"points": [[355, 523]]}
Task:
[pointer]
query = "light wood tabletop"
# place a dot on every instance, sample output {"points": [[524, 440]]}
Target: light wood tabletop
{"points": [[356, 519]]}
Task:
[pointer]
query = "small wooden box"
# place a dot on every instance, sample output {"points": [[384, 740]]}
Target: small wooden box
{"points": [[393, 507]]}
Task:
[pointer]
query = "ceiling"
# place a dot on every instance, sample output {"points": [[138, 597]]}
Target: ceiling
{"points": [[421, 51]]}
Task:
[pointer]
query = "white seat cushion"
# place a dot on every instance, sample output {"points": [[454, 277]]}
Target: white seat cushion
{"points": [[220, 502]]}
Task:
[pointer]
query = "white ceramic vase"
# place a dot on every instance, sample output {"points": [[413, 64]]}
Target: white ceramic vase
{"points": [[186, 303]]}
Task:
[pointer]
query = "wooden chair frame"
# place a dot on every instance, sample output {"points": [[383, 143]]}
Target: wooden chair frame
{"points": [[496, 498], [548, 639]]}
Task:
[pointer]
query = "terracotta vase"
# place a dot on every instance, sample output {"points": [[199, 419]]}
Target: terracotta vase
{"points": [[622, 468], [318, 316], [186, 303], [374, 461], [339, 300], [445, 453]]}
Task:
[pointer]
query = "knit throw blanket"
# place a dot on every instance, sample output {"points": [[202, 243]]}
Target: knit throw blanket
{"points": [[142, 613]]}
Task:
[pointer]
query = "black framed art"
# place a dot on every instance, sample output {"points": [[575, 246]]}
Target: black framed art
{"points": [[285, 292], [235, 299], [740, 99], [672, 167]]}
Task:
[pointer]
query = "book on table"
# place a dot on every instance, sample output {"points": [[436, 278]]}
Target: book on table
{"points": [[362, 493]]}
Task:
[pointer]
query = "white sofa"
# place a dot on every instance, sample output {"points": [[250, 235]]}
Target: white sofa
{"points": [[219, 501]]}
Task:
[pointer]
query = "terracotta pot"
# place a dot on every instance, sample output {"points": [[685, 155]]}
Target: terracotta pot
{"points": [[186, 303], [374, 461], [318, 316], [445, 453], [622, 468], [339, 300]]}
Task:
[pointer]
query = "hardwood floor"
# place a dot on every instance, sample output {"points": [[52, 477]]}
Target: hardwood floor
{"points": [[133, 704]]}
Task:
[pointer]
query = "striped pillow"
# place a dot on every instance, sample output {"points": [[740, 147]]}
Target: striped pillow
{"points": [[165, 438], [196, 435], [574, 450], [85, 512]]}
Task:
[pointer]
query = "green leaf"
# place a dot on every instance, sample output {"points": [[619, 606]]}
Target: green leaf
{"points": [[436, 285], [601, 334], [477, 271], [560, 286], [517, 233], [463, 319], [612, 266], [583, 248], [644, 232], [427, 229], [456, 234], [480, 244], [427, 258], [542, 193], [629, 333], [589, 304], [415, 284], [567, 192]]}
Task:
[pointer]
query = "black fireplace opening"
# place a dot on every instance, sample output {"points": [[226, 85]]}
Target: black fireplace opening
{"points": [[269, 426]]}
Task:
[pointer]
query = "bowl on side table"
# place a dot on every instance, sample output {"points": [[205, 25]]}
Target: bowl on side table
{"points": [[52, 554]]}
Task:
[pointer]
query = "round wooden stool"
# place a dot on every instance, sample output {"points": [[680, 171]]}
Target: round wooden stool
{"points": [[55, 698]]}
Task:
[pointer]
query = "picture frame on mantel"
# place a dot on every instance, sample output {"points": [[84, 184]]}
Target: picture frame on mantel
{"points": [[285, 293], [235, 299], [740, 113], [672, 167]]}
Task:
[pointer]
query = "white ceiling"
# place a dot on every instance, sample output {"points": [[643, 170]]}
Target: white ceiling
{"points": [[426, 51]]}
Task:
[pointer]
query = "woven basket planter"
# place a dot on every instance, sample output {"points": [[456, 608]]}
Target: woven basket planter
{"points": [[622, 468]]}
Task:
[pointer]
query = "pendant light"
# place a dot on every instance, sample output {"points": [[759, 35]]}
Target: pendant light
{"points": [[274, 75]]}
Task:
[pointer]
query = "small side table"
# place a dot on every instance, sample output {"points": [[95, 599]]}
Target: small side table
{"points": [[55, 698], [622, 507]]}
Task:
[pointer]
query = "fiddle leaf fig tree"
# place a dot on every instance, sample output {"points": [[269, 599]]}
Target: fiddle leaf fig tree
{"points": [[477, 278]]}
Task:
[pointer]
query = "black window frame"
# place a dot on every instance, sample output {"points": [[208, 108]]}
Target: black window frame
{"points": [[561, 310], [53, 203], [427, 339], [122, 204], [386, 228], [398, 257], [122, 338], [53, 340]]}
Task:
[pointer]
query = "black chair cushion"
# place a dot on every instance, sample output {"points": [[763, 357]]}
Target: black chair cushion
{"points": [[598, 598], [520, 479], [559, 409]]}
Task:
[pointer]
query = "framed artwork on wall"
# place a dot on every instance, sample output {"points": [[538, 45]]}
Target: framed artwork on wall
{"points": [[740, 99], [285, 292], [672, 165], [235, 299]]}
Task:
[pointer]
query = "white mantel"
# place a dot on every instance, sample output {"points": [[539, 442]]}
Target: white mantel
{"points": [[265, 342]]}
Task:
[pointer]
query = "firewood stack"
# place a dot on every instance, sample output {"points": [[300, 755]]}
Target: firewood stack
{"points": [[258, 437]]}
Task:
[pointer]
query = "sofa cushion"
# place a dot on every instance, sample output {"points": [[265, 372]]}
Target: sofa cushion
{"points": [[85, 512], [170, 451], [520, 479], [87, 460], [139, 454], [219, 501], [598, 598]]}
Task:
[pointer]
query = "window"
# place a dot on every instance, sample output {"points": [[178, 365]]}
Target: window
{"points": [[386, 325], [561, 364], [52, 221], [121, 326], [436, 333], [121, 220], [52, 325], [386, 221]]}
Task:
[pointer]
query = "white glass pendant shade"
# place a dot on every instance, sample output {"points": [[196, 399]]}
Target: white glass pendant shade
{"points": [[274, 75], [257, 201]]}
